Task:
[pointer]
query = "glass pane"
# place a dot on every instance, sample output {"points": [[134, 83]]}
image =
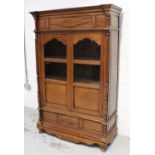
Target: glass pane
{"points": [[86, 73], [55, 49], [56, 71], [87, 49]]}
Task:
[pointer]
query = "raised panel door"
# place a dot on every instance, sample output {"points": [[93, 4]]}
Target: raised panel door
{"points": [[87, 77], [55, 69]]}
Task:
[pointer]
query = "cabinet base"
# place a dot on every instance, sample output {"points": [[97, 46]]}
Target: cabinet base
{"points": [[102, 142]]}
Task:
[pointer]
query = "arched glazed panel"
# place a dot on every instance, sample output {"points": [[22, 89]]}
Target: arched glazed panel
{"points": [[55, 49], [87, 49]]}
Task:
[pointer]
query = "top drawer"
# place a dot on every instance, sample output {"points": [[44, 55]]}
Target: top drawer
{"points": [[70, 22], [75, 22]]}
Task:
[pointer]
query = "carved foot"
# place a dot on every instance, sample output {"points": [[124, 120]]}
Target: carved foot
{"points": [[102, 148]]}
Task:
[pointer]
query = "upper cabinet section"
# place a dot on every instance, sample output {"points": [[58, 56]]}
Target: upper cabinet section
{"points": [[85, 18]]}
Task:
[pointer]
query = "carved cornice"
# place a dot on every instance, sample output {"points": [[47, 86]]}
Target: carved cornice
{"points": [[71, 30], [35, 16]]}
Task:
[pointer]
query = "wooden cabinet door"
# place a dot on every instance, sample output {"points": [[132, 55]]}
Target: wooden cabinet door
{"points": [[54, 68], [87, 72]]}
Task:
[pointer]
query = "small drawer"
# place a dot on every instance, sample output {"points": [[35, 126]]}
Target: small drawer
{"points": [[49, 117], [69, 121], [70, 22], [93, 127]]}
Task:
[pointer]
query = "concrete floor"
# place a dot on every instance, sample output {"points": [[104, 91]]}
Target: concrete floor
{"points": [[43, 144]]}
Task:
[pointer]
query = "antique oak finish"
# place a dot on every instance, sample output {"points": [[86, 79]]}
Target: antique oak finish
{"points": [[77, 71]]}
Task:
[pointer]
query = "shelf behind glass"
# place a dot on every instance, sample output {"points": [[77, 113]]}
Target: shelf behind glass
{"points": [[57, 71]]}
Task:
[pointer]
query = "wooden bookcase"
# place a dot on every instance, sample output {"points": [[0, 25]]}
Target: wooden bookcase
{"points": [[77, 70]]}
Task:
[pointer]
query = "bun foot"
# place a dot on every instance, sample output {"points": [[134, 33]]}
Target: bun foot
{"points": [[102, 147]]}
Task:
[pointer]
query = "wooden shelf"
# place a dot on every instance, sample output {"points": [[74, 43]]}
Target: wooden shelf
{"points": [[87, 62], [59, 60], [57, 77], [87, 85], [55, 81]]}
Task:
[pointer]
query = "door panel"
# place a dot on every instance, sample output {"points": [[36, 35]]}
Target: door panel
{"points": [[71, 66], [86, 98], [55, 70], [86, 51], [56, 94]]}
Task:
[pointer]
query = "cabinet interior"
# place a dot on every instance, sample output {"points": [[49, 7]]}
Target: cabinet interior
{"points": [[86, 73], [56, 71]]}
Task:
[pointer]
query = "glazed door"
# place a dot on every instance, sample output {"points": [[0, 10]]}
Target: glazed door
{"points": [[55, 70], [87, 73]]}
